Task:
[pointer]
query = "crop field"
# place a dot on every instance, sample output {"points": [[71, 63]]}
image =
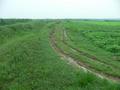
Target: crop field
{"points": [[59, 55]]}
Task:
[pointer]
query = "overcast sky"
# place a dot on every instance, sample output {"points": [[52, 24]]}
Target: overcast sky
{"points": [[60, 9]]}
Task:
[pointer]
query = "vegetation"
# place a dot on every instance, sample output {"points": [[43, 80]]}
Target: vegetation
{"points": [[28, 62], [97, 42], [11, 21]]}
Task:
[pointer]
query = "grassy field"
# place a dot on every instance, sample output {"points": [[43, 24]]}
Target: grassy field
{"points": [[96, 44], [28, 62]]}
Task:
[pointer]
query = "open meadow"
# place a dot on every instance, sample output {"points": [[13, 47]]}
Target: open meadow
{"points": [[59, 54]]}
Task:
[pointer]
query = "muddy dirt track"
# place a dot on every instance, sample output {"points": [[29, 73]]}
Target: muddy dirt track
{"points": [[77, 63]]}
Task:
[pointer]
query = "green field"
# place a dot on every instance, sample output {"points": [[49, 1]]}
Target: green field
{"points": [[30, 55]]}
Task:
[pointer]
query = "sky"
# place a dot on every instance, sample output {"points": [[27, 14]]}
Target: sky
{"points": [[60, 9]]}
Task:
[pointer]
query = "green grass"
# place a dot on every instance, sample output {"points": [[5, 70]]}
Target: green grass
{"points": [[97, 39], [12, 21], [27, 61]]}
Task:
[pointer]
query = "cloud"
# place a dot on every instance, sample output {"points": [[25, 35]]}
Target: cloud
{"points": [[60, 9]]}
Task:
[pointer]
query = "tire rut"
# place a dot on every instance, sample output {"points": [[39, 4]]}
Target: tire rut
{"points": [[71, 60], [89, 56]]}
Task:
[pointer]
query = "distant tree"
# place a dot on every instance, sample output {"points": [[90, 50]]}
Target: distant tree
{"points": [[1, 21]]}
